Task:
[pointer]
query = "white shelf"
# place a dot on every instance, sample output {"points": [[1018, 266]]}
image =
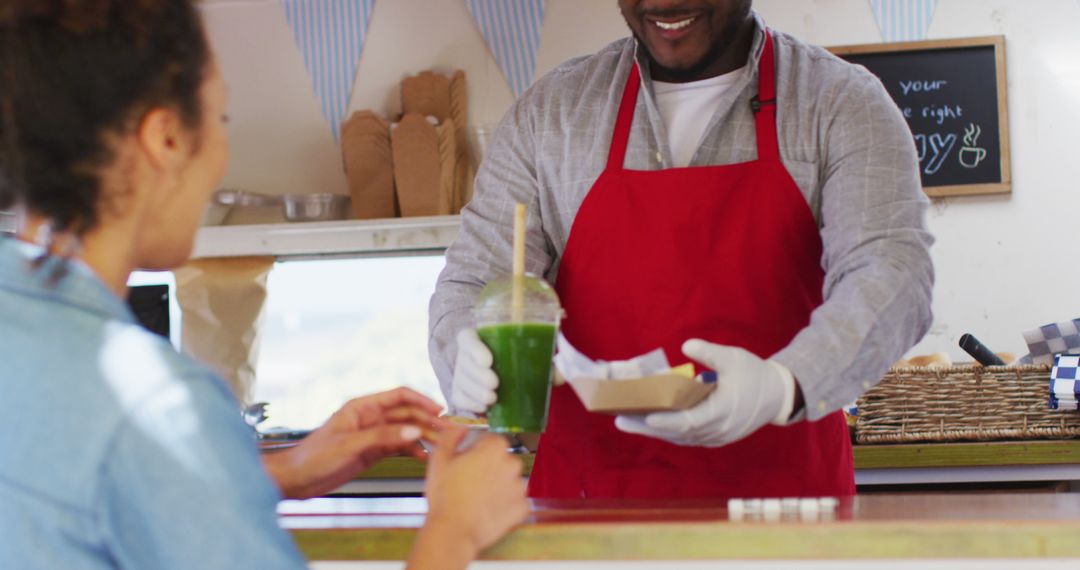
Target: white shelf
{"points": [[337, 238]]}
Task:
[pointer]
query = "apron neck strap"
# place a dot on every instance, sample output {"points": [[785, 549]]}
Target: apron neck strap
{"points": [[763, 104], [617, 154]]}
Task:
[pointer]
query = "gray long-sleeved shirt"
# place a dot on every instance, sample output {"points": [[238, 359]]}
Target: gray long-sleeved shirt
{"points": [[842, 139]]}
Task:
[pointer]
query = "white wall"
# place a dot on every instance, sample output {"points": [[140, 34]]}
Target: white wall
{"points": [[1003, 262]]}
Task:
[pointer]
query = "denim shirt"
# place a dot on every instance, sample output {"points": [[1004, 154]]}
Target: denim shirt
{"points": [[115, 450]]}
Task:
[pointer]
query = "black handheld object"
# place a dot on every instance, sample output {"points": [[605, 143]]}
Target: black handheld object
{"points": [[979, 352], [150, 303]]}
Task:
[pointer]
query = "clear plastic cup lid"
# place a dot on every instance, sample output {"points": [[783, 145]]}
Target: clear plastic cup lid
{"points": [[539, 302]]}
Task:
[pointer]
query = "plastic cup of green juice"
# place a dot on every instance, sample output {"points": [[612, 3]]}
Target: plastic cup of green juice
{"points": [[522, 344]]}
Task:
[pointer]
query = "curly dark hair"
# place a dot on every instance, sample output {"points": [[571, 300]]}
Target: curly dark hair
{"points": [[73, 75]]}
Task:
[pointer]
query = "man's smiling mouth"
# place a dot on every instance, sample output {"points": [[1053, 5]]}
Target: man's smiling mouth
{"points": [[677, 25]]}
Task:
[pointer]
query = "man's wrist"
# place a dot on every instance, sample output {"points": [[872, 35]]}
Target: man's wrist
{"points": [[798, 406], [787, 400]]}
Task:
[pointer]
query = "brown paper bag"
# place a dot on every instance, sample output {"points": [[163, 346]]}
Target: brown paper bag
{"points": [[415, 146], [426, 93], [656, 393], [221, 300], [369, 168], [444, 98], [463, 166]]}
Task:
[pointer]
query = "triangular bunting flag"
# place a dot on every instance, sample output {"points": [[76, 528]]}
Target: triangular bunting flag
{"points": [[511, 30], [903, 20], [330, 35]]}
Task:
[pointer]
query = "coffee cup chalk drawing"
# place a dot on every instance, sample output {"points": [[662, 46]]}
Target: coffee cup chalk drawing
{"points": [[971, 155]]}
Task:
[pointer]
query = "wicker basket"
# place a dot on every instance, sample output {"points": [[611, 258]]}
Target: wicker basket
{"points": [[962, 403]]}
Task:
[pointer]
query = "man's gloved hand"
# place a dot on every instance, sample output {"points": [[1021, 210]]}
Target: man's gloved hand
{"points": [[473, 386], [750, 393]]}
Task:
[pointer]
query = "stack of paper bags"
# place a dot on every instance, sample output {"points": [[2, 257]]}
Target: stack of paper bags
{"points": [[431, 161], [422, 160]]}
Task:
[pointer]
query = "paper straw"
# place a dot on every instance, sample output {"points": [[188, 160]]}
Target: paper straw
{"points": [[517, 292]]}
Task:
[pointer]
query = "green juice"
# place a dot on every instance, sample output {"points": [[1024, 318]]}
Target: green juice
{"points": [[522, 353]]}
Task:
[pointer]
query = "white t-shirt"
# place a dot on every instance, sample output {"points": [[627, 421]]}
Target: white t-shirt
{"points": [[687, 109]]}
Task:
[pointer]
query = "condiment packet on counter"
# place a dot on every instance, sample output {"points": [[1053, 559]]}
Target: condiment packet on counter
{"points": [[642, 384]]}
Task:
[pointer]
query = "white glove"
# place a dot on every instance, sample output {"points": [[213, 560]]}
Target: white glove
{"points": [[473, 386], [750, 393]]}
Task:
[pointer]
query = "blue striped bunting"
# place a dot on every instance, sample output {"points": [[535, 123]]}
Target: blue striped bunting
{"points": [[903, 20], [511, 30], [330, 35]]}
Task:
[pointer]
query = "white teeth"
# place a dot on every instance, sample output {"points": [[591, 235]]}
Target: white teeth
{"points": [[675, 25]]}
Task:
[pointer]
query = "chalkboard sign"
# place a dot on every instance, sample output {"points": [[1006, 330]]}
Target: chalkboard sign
{"points": [[952, 93]]}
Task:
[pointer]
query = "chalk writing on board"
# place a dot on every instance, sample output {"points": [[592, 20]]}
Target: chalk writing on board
{"points": [[933, 157], [949, 94], [936, 148], [971, 155], [938, 114], [917, 86]]}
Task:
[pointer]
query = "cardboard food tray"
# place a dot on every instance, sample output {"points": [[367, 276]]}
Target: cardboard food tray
{"points": [[656, 393]]}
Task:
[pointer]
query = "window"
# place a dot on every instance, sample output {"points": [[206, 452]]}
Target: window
{"points": [[336, 329]]}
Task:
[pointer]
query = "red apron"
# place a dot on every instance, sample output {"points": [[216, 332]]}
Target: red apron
{"points": [[730, 254]]}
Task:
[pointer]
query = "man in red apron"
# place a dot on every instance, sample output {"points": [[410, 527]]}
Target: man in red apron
{"points": [[732, 264]]}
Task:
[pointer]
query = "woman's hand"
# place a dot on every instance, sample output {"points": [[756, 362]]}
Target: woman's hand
{"points": [[474, 498], [359, 434]]}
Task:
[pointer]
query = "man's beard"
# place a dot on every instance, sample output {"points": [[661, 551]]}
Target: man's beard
{"points": [[722, 43]]}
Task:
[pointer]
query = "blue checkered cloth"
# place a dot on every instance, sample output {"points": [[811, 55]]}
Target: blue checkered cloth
{"points": [[1049, 340], [1064, 383]]}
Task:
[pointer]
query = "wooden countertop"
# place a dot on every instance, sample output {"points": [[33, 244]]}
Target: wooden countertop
{"points": [[974, 454], [1048, 452], [869, 526]]}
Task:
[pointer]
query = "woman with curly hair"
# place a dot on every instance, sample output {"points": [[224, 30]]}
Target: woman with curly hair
{"points": [[115, 450]]}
